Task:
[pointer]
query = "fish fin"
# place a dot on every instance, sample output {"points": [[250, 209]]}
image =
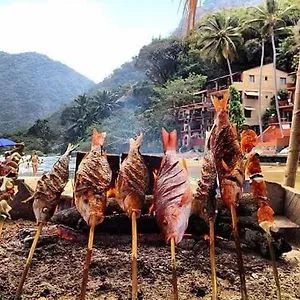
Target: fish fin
{"points": [[183, 163], [207, 140], [169, 140], [136, 143], [225, 166], [234, 129], [185, 197], [220, 104], [28, 199], [98, 139], [71, 148]]}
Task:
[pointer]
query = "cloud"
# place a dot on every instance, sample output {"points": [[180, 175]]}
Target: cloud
{"points": [[79, 33]]}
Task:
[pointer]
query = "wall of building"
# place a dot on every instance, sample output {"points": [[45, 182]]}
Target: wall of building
{"points": [[246, 85]]}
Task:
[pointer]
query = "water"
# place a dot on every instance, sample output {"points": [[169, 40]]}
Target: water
{"points": [[46, 164]]}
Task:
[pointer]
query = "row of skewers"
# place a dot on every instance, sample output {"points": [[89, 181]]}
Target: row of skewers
{"points": [[226, 161]]}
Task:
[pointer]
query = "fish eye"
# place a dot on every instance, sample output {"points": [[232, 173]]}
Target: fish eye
{"points": [[45, 210], [165, 222]]}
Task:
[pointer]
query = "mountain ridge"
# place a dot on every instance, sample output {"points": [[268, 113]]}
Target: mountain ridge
{"points": [[33, 86]]}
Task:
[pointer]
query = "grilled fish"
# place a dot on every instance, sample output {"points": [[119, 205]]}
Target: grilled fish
{"points": [[133, 179], [205, 199], [265, 213], [230, 167], [50, 187], [172, 191], [93, 180], [227, 154]]}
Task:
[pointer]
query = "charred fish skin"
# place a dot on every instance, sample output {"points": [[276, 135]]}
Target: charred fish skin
{"points": [[172, 192], [206, 190], [50, 187], [92, 181], [265, 213], [227, 154], [133, 179]]}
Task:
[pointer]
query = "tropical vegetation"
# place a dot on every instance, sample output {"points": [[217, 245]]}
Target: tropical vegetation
{"points": [[146, 92]]}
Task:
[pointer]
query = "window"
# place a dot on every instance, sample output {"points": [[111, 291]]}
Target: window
{"points": [[251, 78], [247, 113], [266, 78], [282, 80]]}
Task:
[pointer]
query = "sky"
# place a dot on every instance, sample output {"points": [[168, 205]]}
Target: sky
{"points": [[91, 36]]}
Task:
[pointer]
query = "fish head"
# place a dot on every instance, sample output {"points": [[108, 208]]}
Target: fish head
{"points": [[231, 192], [91, 206], [175, 222], [43, 211]]}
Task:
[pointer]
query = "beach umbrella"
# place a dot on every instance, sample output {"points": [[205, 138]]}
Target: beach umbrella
{"points": [[6, 142]]}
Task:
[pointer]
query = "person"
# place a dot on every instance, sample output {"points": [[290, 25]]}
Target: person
{"points": [[34, 162]]}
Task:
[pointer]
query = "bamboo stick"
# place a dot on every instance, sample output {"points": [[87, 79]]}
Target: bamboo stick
{"points": [[28, 262], [275, 271], [88, 258], [134, 257], [213, 259], [238, 252], [174, 274]]}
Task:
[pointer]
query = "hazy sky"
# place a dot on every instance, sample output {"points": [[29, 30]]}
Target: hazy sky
{"points": [[91, 36]]}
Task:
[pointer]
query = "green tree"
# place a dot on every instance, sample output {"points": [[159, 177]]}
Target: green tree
{"points": [[272, 15], [169, 98], [219, 36], [101, 105], [159, 59], [235, 108]]}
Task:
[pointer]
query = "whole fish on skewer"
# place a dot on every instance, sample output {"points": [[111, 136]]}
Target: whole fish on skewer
{"points": [[229, 163], [45, 200], [172, 197], [92, 182], [50, 187], [265, 213], [131, 185], [206, 206]]}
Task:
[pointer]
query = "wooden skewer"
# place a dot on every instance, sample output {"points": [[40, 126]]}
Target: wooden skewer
{"points": [[213, 259], [275, 271], [238, 252], [2, 220], [134, 257], [88, 258], [28, 262], [174, 274]]}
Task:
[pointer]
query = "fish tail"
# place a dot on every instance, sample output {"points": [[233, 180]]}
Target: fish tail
{"points": [[71, 148], [169, 140], [218, 103], [136, 143], [98, 139]]}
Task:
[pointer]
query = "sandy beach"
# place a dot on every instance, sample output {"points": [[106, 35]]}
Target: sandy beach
{"points": [[272, 172]]}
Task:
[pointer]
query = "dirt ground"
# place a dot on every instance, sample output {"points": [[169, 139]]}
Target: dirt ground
{"points": [[56, 269]]}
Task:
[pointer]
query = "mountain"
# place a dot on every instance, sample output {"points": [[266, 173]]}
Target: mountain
{"points": [[210, 6], [126, 74], [32, 86]]}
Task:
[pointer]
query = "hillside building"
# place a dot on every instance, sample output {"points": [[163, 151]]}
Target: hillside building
{"points": [[197, 118]]}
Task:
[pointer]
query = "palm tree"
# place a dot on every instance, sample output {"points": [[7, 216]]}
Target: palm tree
{"points": [[262, 36], [294, 146], [219, 37], [102, 105], [271, 16]]}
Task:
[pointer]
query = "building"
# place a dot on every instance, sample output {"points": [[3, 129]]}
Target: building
{"points": [[196, 119]]}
